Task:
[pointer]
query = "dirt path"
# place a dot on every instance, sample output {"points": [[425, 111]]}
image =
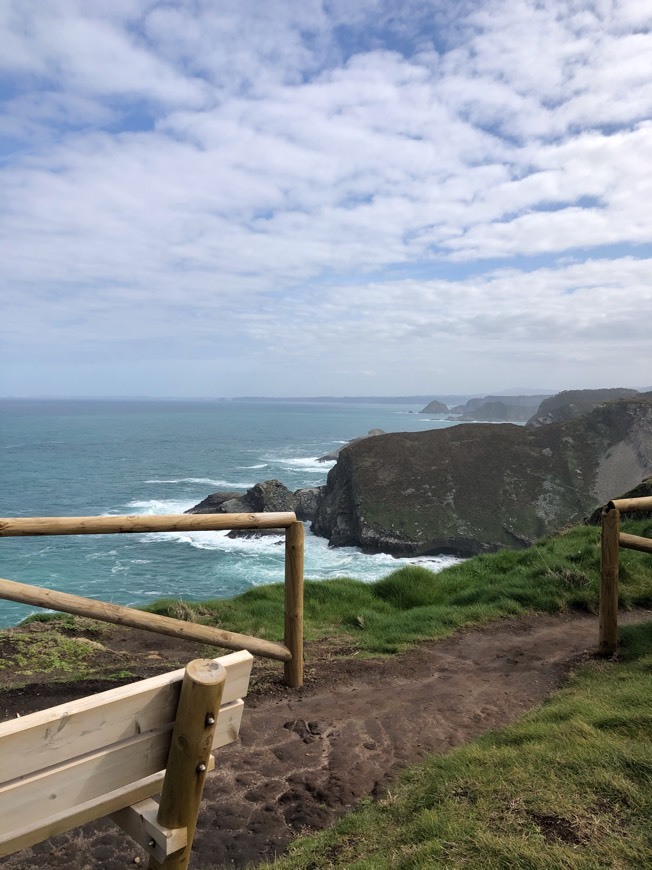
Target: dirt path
{"points": [[306, 757]]}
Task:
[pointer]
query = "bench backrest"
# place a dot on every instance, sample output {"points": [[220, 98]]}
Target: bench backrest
{"points": [[67, 765]]}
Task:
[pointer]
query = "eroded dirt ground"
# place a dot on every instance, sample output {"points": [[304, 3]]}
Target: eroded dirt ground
{"points": [[305, 757]]}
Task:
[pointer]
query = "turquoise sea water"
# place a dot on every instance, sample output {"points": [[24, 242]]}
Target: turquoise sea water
{"points": [[78, 458]]}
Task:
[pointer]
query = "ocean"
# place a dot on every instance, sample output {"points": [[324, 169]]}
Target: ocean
{"points": [[89, 457]]}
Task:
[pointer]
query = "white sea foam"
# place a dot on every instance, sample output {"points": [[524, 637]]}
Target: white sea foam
{"points": [[100, 554], [260, 560], [219, 540], [323, 562], [207, 480], [160, 506], [246, 467], [305, 463]]}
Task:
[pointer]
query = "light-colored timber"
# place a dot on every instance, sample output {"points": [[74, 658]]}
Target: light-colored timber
{"points": [[101, 754], [141, 823], [58, 734], [294, 550], [626, 505], [37, 596], [19, 526], [609, 540], [635, 542], [199, 704]]}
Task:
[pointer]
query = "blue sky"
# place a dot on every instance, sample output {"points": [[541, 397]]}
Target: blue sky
{"points": [[303, 198]]}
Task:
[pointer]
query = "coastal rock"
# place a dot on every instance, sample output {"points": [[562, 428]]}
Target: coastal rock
{"points": [[497, 409], [212, 504], [571, 404], [267, 496], [477, 488], [333, 455], [306, 501], [435, 407]]}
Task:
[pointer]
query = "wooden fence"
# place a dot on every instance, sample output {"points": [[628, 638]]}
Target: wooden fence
{"points": [[290, 652], [612, 539]]}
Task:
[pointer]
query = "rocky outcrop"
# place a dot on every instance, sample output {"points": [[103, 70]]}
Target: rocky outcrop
{"points": [[497, 409], [572, 404], [476, 488], [269, 495], [332, 456], [435, 407], [307, 501]]}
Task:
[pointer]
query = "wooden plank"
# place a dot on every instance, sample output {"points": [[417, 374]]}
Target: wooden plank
{"points": [[139, 821], [58, 823], [139, 524], [60, 733], [635, 542], [61, 788], [37, 596], [28, 833]]}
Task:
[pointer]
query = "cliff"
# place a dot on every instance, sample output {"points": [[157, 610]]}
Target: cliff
{"points": [[497, 409], [476, 488], [435, 407], [571, 404]]}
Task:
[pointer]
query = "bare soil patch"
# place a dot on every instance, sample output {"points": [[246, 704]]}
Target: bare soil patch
{"points": [[306, 757]]}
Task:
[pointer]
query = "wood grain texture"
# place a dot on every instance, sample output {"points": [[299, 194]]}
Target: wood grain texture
{"points": [[137, 524], [609, 557], [38, 596]]}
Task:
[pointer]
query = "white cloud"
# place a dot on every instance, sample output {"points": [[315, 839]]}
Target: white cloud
{"points": [[203, 179]]}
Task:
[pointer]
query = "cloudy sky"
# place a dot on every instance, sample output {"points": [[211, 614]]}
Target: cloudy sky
{"points": [[299, 197]]}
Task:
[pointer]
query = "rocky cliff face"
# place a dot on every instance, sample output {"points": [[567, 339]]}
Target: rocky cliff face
{"points": [[435, 407], [498, 409], [571, 404], [476, 488]]}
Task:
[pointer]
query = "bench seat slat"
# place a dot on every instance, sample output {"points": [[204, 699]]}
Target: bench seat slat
{"points": [[76, 762], [57, 823], [63, 787], [60, 733]]}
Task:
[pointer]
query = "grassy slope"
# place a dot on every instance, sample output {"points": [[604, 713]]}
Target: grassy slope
{"points": [[413, 604], [568, 786]]}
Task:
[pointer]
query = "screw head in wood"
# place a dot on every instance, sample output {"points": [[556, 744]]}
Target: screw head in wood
{"points": [[210, 719], [201, 768]]}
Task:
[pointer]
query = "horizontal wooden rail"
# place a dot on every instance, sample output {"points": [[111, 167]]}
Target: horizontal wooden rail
{"points": [[625, 505], [635, 542], [37, 596], [19, 526]]}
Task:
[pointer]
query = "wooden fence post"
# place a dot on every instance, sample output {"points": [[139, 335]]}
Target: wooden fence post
{"points": [[188, 761], [609, 552], [294, 603]]}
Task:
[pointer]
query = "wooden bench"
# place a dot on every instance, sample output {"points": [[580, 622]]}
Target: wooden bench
{"points": [[110, 753]]}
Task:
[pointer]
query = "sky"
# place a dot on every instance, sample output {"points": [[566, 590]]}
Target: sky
{"points": [[354, 197]]}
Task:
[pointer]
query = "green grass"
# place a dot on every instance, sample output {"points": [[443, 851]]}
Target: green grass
{"points": [[52, 651], [569, 786], [413, 604]]}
